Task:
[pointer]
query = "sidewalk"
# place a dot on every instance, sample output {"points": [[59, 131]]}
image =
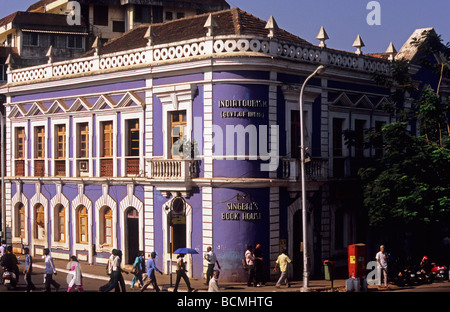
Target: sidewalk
{"points": [[99, 272]]}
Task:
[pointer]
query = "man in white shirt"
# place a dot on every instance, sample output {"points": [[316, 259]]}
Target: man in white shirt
{"points": [[382, 265], [250, 261], [214, 282], [50, 269], [211, 259]]}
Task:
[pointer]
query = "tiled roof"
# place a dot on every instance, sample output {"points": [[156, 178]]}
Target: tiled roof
{"points": [[8, 19], [39, 4], [229, 22]]}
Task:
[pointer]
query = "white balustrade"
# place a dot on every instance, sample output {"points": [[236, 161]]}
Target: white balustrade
{"points": [[178, 169], [199, 47]]}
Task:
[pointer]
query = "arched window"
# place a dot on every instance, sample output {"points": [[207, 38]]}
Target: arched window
{"points": [[82, 225], [60, 226], [107, 237], [20, 221], [39, 222]]}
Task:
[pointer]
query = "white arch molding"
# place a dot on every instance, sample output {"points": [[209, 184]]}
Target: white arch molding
{"points": [[296, 206], [60, 199], [82, 200], [105, 201], [166, 235], [39, 198], [19, 197], [131, 201]]}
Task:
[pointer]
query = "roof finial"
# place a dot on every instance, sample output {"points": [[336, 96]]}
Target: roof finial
{"points": [[50, 54], [96, 45], [210, 24], [391, 51], [271, 26], [322, 36], [358, 44], [149, 35]]}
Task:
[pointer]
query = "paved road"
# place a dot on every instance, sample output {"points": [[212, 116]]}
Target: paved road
{"points": [[437, 287]]}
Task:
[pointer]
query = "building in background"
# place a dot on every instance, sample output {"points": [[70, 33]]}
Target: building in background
{"points": [[186, 134]]}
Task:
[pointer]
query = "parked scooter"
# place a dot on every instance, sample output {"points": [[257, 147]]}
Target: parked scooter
{"points": [[9, 279], [439, 272], [434, 271]]}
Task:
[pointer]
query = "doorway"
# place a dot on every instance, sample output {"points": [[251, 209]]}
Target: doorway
{"points": [[297, 256], [132, 234]]}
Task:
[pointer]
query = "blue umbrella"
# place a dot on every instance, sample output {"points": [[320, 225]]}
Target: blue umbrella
{"points": [[185, 251]]}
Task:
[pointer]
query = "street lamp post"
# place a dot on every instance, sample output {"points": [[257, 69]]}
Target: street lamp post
{"points": [[305, 287]]}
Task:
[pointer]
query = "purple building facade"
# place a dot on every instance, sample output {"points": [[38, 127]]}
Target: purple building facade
{"points": [[189, 143]]}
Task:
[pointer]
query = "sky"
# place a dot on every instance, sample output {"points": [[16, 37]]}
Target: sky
{"points": [[343, 20]]}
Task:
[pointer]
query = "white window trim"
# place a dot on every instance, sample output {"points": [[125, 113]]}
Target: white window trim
{"points": [[76, 122], [345, 116], [33, 146], [55, 123], [376, 118], [307, 123], [14, 156], [123, 137], [175, 98], [367, 119], [98, 122]]}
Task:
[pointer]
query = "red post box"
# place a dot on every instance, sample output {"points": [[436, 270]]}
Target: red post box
{"points": [[357, 260]]}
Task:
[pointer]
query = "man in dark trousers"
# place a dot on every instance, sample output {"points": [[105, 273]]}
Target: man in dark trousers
{"points": [[151, 268], [259, 268], [181, 273]]}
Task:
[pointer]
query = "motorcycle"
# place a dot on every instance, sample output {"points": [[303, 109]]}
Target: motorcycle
{"points": [[439, 272], [9, 279], [405, 276], [412, 276]]}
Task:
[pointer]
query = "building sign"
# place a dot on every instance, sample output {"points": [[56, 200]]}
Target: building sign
{"points": [[246, 104], [242, 211]]}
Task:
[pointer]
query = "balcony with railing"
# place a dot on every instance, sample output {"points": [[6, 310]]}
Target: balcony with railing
{"points": [[173, 169], [316, 169]]}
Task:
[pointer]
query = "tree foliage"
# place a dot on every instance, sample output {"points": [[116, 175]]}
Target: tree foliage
{"points": [[410, 183]]}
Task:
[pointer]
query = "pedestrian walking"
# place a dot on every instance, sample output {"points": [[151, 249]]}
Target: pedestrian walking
{"points": [[213, 285], [50, 269], [382, 266], [151, 268], [138, 269], [121, 280], [77, 279], [250, 265], [259, 267], [117, 278], [109, 266], [211, 260], [28, 270], [282, 262], [181, 273]]}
